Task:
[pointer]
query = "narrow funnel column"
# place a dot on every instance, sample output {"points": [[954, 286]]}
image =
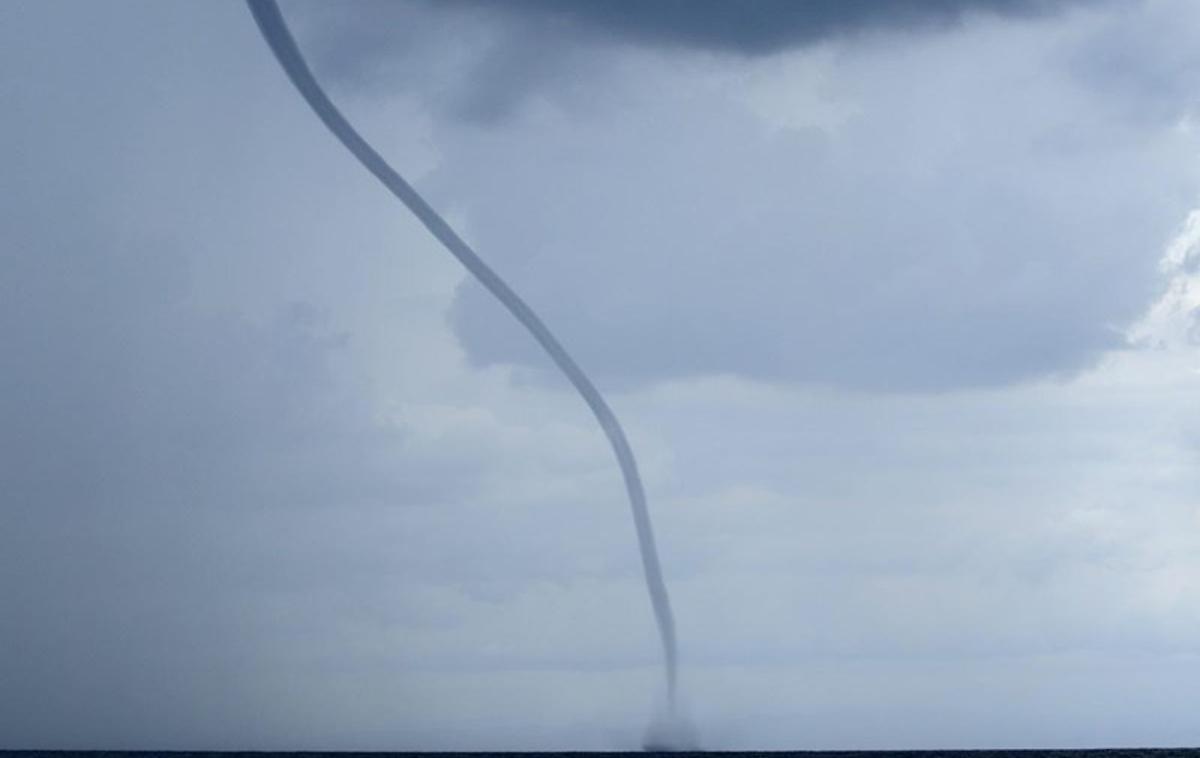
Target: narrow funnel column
{"points": [[274, 30]]}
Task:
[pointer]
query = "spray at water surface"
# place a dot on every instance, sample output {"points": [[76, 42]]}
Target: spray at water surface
{"points": [[274, 30]]}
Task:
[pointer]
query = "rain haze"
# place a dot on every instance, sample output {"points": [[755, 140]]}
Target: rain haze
{"points": [[897, 303]]}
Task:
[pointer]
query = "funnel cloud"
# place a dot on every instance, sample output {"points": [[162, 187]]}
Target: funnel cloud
{"points": [[274, 30]]}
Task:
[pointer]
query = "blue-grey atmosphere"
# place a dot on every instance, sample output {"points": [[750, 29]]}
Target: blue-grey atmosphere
{"points": [[898, 303]]}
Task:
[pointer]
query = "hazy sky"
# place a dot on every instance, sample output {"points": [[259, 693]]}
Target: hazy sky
{"points": [[898, 304]]}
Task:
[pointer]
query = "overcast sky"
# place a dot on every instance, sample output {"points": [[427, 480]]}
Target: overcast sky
{"points": [[898, 304]]}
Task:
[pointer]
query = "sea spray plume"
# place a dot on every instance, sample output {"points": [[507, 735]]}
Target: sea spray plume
{"points": [[274, 30]]}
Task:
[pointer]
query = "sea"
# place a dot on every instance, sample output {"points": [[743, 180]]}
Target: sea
{"points": [[1027, 753]]}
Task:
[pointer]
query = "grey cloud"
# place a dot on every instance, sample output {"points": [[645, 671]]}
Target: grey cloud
{"points": [[480, 60], [978, 229], [1147, 65], [932, 234]]}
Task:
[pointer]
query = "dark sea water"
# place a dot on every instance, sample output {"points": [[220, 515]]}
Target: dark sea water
{"points": [[1113, 753]]}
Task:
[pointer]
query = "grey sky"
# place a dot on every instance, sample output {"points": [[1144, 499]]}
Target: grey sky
{"points": [[917, 417]]}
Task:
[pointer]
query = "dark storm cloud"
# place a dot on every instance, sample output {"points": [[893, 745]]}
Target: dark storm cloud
{"points": [[751, 27]]}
